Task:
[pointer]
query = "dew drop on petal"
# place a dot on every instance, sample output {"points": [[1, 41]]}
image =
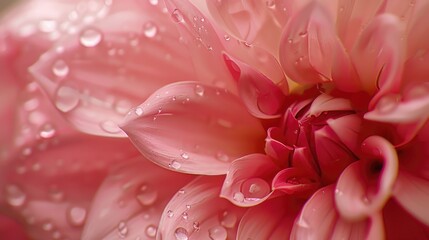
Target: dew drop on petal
{"points": [[122, 229], [67, 98], [110, 127], [60, 68], [221, 156], [177, 16], [226, 37], [153, 2], [199, 90], [238, 196], [90, 37], [185, 156], [218, 233], [47, 226], [196, 226], [15, 196], [181, 234], [181, 191], [255, 188], [138, 111], [47, 26], [47, 131], [151, 231], [150, 29], [147, 196], [228, 219], [185, 216], [77, 216], [174, 165]]}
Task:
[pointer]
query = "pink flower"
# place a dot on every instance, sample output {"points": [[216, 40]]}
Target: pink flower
{"points": [[270, 120]]}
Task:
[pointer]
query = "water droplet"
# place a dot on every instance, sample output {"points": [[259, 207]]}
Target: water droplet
{"points": [[138, 111], [238, 196], [185, 156], [67, 98], [218, 233], [196, 226], [110, 127], [177, 16], [199, 90], [227, 37], [271, 4], [181, 191], [338, 192], [175, 165], [90, 37], [153, 2], [228, 219], [150, 29], [47, 226], [188, 206], [151, 231], [185, 216], [388, 103], [221, 156], [122, 229], [170, 214], [290, 40], [47, 131], [60, 68], [255, 189], [47, 26], [15, 196], [181, 234], [77, 216], [147, 195]]}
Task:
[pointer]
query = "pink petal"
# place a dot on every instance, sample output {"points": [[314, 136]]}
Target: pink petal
{"points": [[188, 128], [247, 181], [325, 102], [378, 56], [197, 212], [306, 51], [367, 184], [276, 148], [347, 129], [295, 181], [320, 220], [261, 96], [412, 193], [101, 72], [10, 229], [272, 219], [130, 201]]}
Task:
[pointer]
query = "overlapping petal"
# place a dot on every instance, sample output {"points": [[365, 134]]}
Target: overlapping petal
{"points": [[194, 128]]}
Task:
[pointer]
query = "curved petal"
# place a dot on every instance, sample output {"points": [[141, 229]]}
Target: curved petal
{"points": [[276, 148], [347, 128], [197, 212], [97, 75], [412, 193], [261, 96], [187, 127], [383, 50], [247, 181], [296, 182], [130, 201], [272, 220], [367, 184]]}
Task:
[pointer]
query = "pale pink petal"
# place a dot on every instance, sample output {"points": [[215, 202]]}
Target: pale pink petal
{"points": [[272, 220], [95, 76], [383, 50], [320, 220], [130, 201], [295, 181], [367, 184], [325, 102], [197, 212], [412, 193], [308, 44], [248, 179], [194, 128], [261, 96]]}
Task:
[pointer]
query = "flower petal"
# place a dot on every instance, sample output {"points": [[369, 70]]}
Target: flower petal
{"points": [[96, 76], [186, 127], [130, 201], [272, 219], [412, 193], [367, 184], [9, 229], [247, 182], [295, 181], [197, 212], [261, 96]]}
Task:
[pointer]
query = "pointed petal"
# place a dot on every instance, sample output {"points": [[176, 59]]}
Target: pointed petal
{"points": [[412, 193], [186, 127], [261, 96], [197, 212], [130, 201], [272, 220], [367, 184], [347, 128], [100, 73], [247, 181]]}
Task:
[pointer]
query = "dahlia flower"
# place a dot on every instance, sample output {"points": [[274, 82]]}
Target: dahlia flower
{"points": [[187, 119]]}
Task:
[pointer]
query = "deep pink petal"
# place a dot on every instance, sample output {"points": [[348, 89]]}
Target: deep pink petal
{"points": [[10, 229], [194, 128], [367, 184], [95, 76], [248, 180], [272, 219], [276, 148], [261, 96], [197, 212], [347, 129], [412, 193], [130, 201]]}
